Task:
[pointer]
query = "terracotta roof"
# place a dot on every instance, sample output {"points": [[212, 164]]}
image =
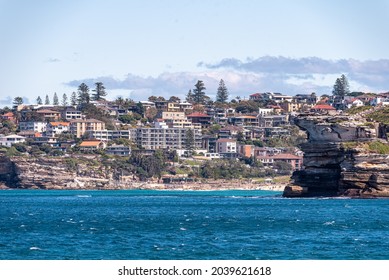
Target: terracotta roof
{"points": [[46, 111], [285, 156], [60, 123], [9, 114], [264, 157], [323, 107], [90, 143], [256, 94]]}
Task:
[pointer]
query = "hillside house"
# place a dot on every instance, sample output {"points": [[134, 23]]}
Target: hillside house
{"points": [[55, 128], [92, 145], [9, 140], [118, 150], [227, 148]]}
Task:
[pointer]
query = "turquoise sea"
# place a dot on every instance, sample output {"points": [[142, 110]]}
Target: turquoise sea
{"points": [[39, 224]]}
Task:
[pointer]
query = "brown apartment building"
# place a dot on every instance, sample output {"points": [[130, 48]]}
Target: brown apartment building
{"points": [[79, 127]]}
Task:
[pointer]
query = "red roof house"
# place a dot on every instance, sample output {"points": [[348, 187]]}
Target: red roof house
{"points": [[323, 108]]}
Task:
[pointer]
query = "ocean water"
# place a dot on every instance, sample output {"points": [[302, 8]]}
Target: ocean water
{"points": [[201, 225]]}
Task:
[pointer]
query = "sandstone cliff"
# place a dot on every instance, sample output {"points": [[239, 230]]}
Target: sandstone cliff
{"points": [[342, 157], [60, 173]]}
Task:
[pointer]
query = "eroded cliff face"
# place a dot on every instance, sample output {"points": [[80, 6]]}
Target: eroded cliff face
{"points": [[337, 161], [59, 173], [8, 176]]}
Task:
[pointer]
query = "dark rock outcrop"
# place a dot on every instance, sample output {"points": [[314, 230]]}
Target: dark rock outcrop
{"points": [[336, 161], [8, 177]]}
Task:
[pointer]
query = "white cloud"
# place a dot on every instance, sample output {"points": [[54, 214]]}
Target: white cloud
{"points": [[242, 78], [52, 60], [6, 100]]}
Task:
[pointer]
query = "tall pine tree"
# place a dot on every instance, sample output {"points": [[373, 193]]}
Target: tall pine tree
{"points": [[55, 99], [199, 96], [341, 87], [83, 94], [189, 141], [64, 100], [189, 96], [99, 92], [39, 100], [222, 92], [73, 99], [47, 100]]}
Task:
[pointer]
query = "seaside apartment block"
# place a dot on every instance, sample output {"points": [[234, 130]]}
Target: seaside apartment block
{"points": [[71, 114], [80, 127], [33, 126], [166, 138], [107, 135]]}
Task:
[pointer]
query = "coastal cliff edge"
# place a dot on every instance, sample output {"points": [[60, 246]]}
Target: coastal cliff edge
{"points": [[342, 157]]}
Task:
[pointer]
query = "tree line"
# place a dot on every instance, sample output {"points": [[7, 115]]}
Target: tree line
{"points": [[198, 95], [195, 96], [82, 96]]}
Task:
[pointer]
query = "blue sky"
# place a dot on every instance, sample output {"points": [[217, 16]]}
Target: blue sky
{"points": [[139, 48]]}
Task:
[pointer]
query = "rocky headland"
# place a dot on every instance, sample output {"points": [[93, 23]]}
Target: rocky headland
{"points": [[343, 156], [55, 173], [90, 172]]}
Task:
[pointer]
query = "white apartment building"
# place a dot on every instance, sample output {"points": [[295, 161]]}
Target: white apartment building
{"points": [[166, 138], [107, 135], [178, 120], [71, 114], [226, 146], [33, 126], [55, 128]]}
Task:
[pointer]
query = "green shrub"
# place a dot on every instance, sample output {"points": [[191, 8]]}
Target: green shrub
{"points": [[381, 115], [12, 152], [379, 147], [356, 110], [71, 163]]}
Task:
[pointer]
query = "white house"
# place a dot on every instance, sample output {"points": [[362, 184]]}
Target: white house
{"points": [[119, 150], [212, 155], [265, 111], [355, 102], [9, 140], [226, 146], [54, 128], [378, 100]]}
